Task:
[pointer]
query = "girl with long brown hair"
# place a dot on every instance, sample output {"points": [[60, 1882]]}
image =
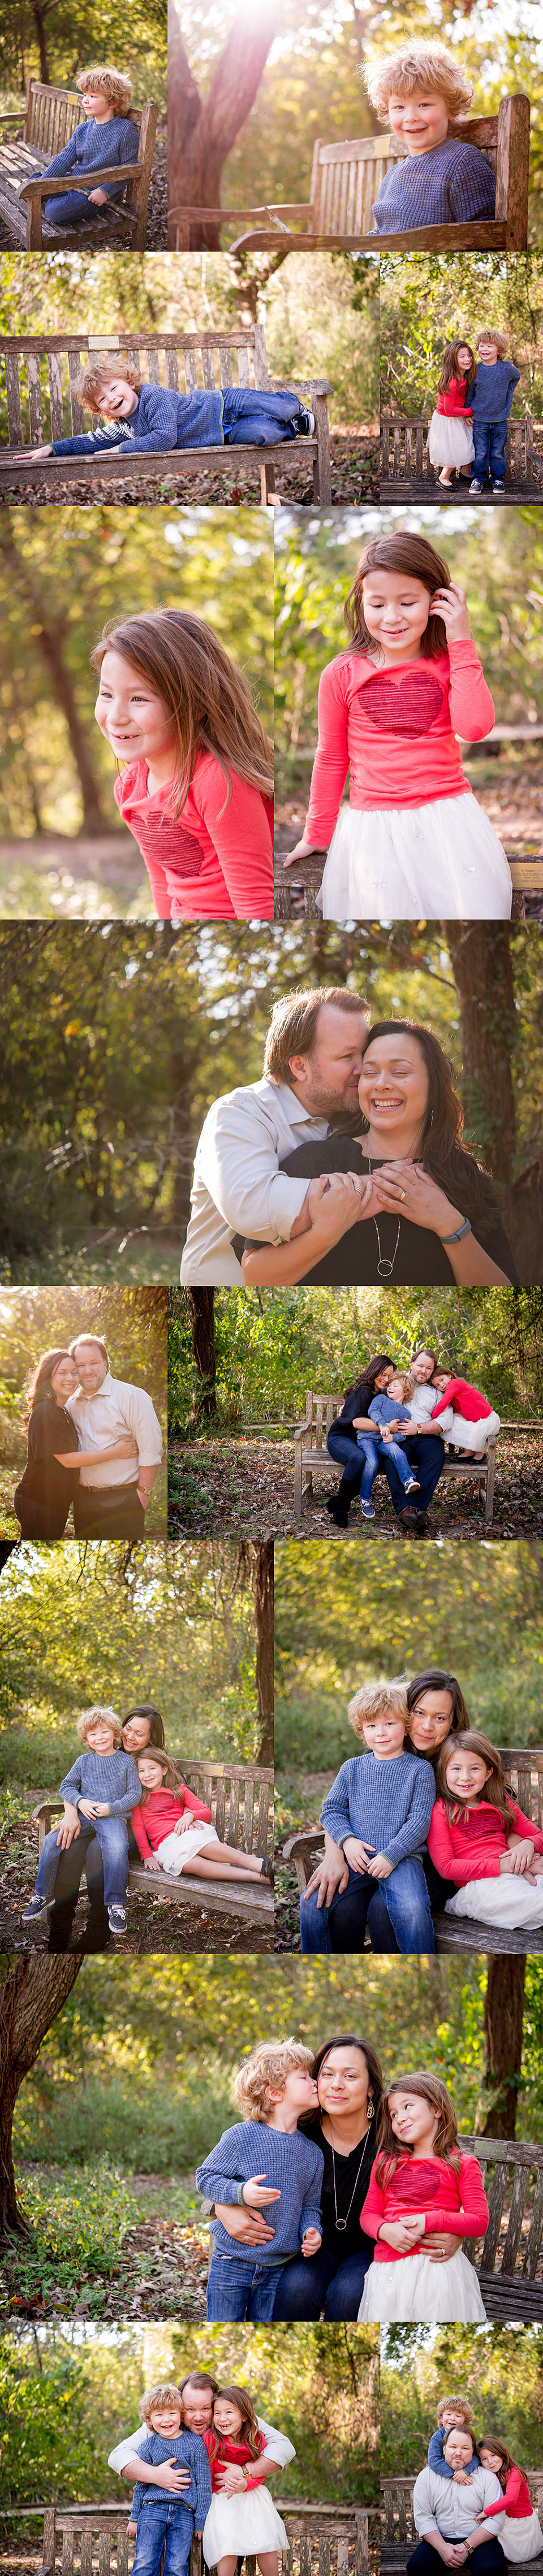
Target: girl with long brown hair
{"points": [[480, 1839], [175, 1831], [241, 2521], [413, 842], [422, 2187], [450, 435], [521, 2536], [195, 768]]}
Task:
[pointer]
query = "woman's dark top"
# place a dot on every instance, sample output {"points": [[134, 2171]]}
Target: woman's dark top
{"points": [[44, 1481], [350, 2240], [421, 1259]]}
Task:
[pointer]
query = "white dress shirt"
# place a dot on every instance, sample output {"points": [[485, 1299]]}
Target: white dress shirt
{"points": [[421, 1405], [237, 1188], [455, 2509], [277, 2447], [106, 1416]]}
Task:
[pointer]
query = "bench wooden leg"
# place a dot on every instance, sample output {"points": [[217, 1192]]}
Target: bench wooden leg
{"points": [[297, 1480], [267, 480], [322, 472], [489, 1494], [34, 234]]}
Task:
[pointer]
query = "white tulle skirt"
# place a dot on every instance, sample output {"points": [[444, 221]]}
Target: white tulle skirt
{"points": [[239, 2525], [436, 862], [506, 1900], [450, 442], [177, 1850], [473, 1435], [520, 2539], [417, 2292]]}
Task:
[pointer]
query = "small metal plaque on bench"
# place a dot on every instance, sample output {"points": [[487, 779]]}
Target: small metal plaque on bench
{"points": [[527, 875]]}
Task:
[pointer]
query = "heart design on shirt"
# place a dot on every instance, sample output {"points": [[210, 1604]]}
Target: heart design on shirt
{"points": [[406, 2181], [175, 848], [410, 705]]}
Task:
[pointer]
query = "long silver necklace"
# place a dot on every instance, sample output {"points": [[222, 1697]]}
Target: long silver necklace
{"points": [[384, 1267], [341, 2223]]}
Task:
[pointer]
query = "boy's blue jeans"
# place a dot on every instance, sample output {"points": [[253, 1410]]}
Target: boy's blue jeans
{"points": [[489, 440], [258, 420], [239, 2288], [74, 208], [158, 2524], [376, 1450], [111, 1834], [341, 1926]]}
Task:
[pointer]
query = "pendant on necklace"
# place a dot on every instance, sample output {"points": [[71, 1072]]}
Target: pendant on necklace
{"points": [[385, 1269], [341, 2225]]}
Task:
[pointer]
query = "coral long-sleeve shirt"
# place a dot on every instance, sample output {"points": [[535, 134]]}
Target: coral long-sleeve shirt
{"points": [[396, 729], [215, 862], [470, 1842], [464, 1399], [516, 2497], [161, 1814], [236, 2454], [453, 402], [450, 2197]]}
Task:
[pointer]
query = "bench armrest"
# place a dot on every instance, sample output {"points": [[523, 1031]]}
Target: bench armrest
{"points": [[48, 1807], [40, 186]]}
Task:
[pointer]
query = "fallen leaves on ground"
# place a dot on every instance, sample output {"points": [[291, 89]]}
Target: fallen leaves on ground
{"points": [[353, 479], [155, 1923], [247, 1485]]}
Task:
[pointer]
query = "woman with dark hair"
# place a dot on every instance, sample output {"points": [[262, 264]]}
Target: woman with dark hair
{"points": [[141, 1726], [341, 1440], [395, 1195], [49, 1482], [350, 2088]]}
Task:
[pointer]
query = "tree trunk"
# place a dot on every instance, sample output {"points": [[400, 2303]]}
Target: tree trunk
{"points": [[263, 1619], [49, 639], [202, 1315], [30, 1998], [202, 133], [42, 40], [503, 2028], [481, 960]]}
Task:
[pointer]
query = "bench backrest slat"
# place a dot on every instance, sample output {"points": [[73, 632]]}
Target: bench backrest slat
{"points": [[153, 363], [535, 2233], [104, 2553], [13, 392], [34, 402], [55, 395], [85, 2553], [248, 1812], [47, 362], [76, 407], [495, 2202], [68, 2552], [514, 2224], [234, 1811]]}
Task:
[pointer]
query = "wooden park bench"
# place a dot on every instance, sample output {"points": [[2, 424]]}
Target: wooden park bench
{"points": [[312, 1458], [399, 2534], [50, 118], [94, 2538], [46, 372], [241, 1801], [295, 891], [345, 183], [405, 460], [524, 1777]]}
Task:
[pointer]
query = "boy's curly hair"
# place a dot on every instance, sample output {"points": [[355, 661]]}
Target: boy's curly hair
{"points": [[461, 2408], [373, 1699], [499, 338], [89, 1718], [269, 2065], [105, 371], [416, 66], [164, 2394], [115, 85]]}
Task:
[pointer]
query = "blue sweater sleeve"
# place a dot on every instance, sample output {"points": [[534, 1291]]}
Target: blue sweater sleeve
{"points": [[221, 2172], [70, 1788], [336, 1808], [90, 442], [202, 2476], [412, 1835], [127, 1798], [435, 2455]]}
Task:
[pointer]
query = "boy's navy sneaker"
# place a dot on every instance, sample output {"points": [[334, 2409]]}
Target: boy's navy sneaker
{"points": [[367, 1511], [116, 1915], [36, 1911], [498, 487], [305, 423], [412, 1486], [476, 487]]}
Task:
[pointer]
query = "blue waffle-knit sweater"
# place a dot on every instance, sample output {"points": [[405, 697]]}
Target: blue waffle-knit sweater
{"points": [[94, 148], [492, 394], [437, 2462], [109, 1776], [386, 1804], [383, 1408], [292, 2164], [161, 420], [451, 185], [196, 2499]]}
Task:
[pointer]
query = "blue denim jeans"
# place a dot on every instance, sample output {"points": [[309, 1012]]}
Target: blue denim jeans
{"points": [[258, 420], [159, 2524], [239, 2287], [426, 1460], [376, 1452], [323, 2282], [110, 1832], [341, 1925], [74, 208], [489, 440], [349, 1457]]}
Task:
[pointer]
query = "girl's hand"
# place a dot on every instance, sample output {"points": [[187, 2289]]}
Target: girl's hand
{"points": [[311, 2241], [254, 2196], [402, 2233], [185, 1822], [232, 2479], [518, 1861], [303, 850], [407, 1190], [151, 1861], [358, 1854], [451, 605]]}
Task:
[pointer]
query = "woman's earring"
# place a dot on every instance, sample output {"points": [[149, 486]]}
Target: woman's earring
{"points": [[369, 2108]]}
